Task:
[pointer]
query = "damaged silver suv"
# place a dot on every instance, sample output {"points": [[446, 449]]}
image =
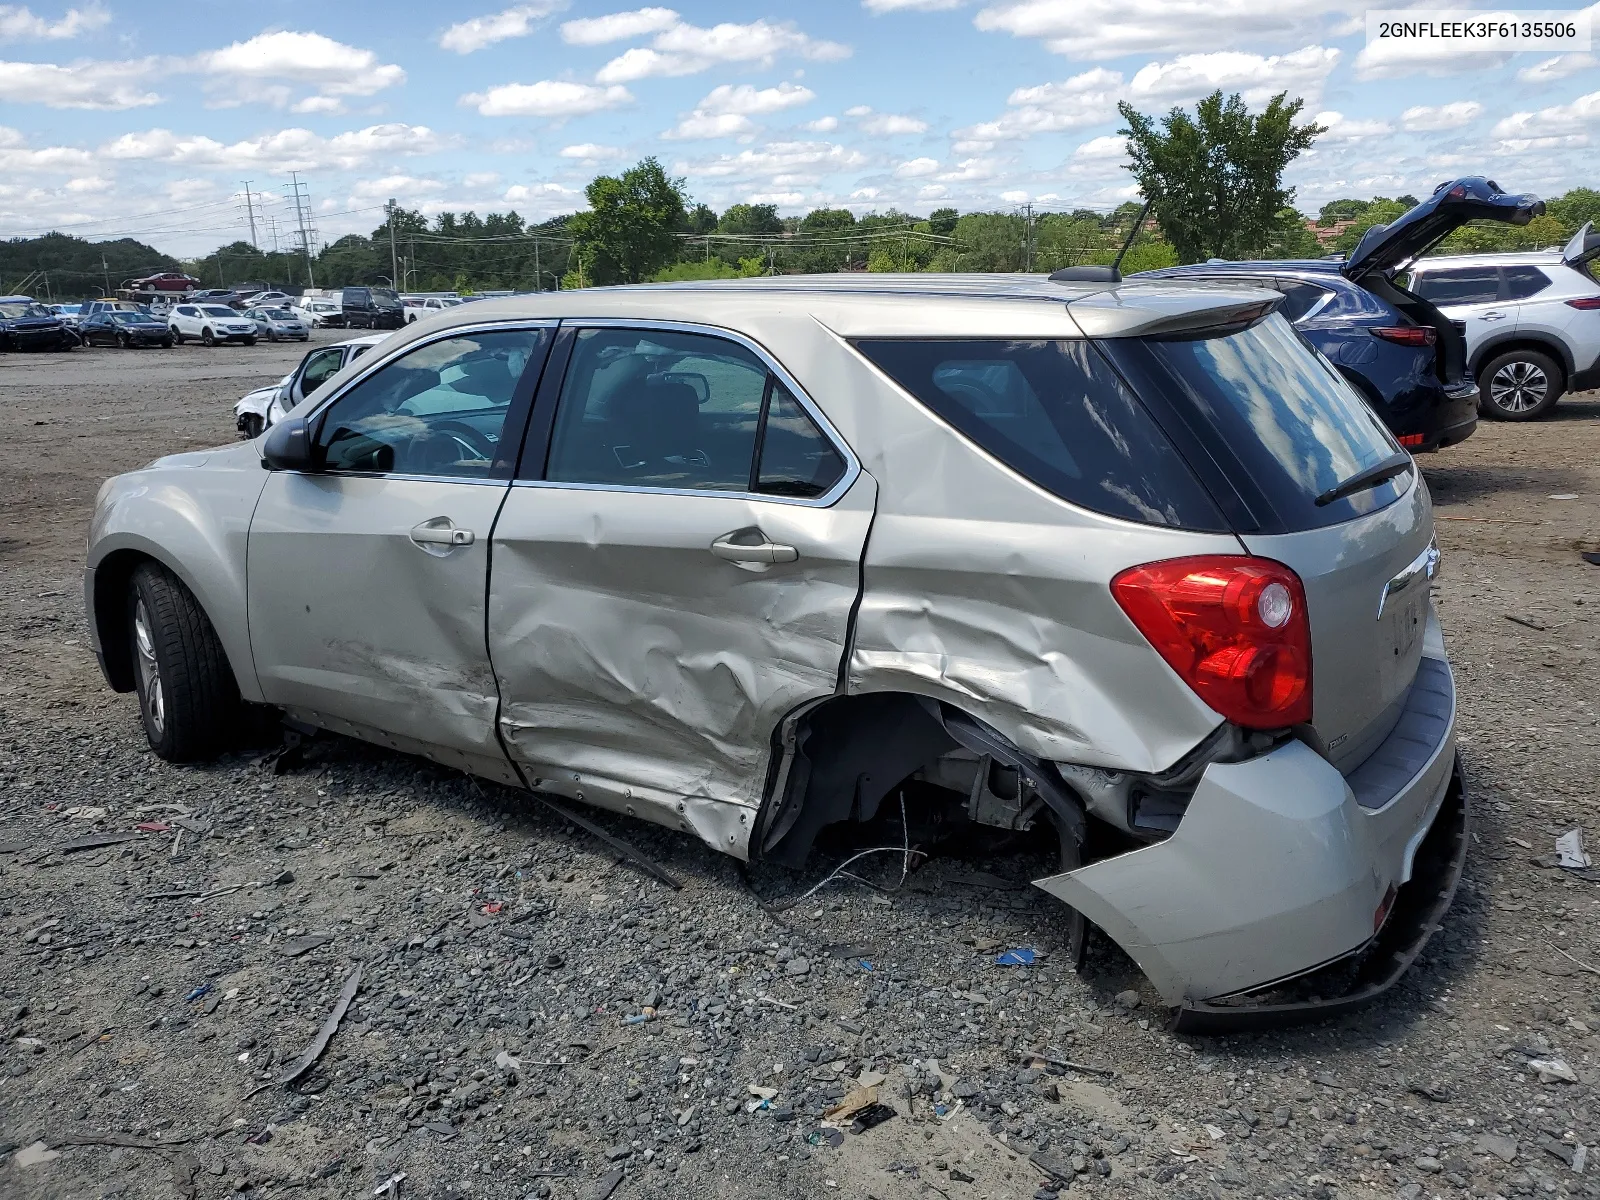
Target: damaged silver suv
{"points": [[744, 558]]}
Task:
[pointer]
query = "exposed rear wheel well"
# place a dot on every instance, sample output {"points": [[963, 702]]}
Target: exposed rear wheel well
{"points": [[1551, 349], [112, 578]]}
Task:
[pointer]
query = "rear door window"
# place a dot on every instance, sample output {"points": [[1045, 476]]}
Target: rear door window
{"points": [[1468, 285], [1055, 412], [1522, 282], [1300, 299], [1263, 398]]}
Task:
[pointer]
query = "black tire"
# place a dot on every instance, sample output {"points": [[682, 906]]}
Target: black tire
{"points": [[188, 698], [252, 426], [166, 343], [176, 336], [207, 337], [1519, 385], [124, 342], [249, 341]]}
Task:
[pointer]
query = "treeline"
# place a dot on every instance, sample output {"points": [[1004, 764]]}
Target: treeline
{"points": [[59, 266]]}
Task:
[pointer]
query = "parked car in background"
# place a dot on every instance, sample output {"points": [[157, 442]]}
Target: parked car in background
{"points": [[217, 296], [1405, 357], [1532, 321], [371, 308], [69, 313], [125, 329], [278, 324], [269, 299], [259, 409], [1165, 600], [91, 307], [211, 323], [25, 324], [319, 313], [426, 306]]}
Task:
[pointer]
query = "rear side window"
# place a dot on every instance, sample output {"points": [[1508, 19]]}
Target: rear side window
{"points": [[797, 459], [1055, 412], [1261, 396], [1522, 282], [1300, 299], [1470, 285]]}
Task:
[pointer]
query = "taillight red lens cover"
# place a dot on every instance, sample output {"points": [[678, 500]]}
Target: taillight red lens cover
{"points": [[1586, 303], [1406, 335], [1234, 628]]}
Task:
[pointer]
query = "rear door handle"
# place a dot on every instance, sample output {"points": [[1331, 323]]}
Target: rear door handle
{"points": [[440, 531], [729, 550]]}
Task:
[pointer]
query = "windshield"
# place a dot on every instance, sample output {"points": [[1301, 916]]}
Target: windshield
{"points": [[127, 318], [1264, 397], [216, 310], [279, 314], [24, 310]]}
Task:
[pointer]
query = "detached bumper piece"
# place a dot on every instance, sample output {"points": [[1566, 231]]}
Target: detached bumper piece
{"points": [[1360, 977]]}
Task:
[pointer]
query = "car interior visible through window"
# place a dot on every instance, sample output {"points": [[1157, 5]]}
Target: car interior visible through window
{"points": [[1470, 285], [438, 410]]}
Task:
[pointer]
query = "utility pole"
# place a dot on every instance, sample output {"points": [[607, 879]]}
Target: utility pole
{"points": [[250, 213], [302, 200], [1027, 237], [538, 275], [106, 271], [394, 261]]}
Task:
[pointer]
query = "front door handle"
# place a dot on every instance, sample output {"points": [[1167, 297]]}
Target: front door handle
{"points": [[440, 533], [1491, 316], [752, 546]]}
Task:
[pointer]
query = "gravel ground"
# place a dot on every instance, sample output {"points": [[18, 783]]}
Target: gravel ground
{"points": [[537, 1018]]}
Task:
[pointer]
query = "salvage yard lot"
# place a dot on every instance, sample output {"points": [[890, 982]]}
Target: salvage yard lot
{"points": [[1426, 1093]]}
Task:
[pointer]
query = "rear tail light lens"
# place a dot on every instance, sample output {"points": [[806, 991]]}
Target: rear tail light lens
{"points": [[1234, 628], [1586, 303], [1411, 439], [1406, 335]]}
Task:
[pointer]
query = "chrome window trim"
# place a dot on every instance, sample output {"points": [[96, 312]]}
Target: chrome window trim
{"points": [[374, 366], [846, 480]]}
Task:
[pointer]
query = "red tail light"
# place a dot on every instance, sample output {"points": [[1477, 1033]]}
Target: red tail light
{"points": [[1406, 335], [1587, 303], [1411, 439], [1234, 628]]}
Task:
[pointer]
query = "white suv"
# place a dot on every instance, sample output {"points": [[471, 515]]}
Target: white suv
{"points": [[211, 323], [1532, 321]]}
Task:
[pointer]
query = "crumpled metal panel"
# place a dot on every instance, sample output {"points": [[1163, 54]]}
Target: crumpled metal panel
{"points": [[190, 512], [640, 672], [350, 618]]}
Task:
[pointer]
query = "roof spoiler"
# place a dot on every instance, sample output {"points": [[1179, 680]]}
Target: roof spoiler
{"points": [[1090, 273]]}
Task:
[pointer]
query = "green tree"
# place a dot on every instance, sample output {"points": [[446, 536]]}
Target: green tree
{"points": [[942, 221], [710, 268], [988, 242], [1216, 177], [750, 220], [702, 218], [631, 228], [1380, 210]]}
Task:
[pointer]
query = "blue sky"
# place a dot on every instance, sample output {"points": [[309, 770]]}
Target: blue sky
{"points": [[144, 119]]}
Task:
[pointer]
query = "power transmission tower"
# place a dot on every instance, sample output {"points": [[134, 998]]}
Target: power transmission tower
{"points": [[300, 194], [250, 213]]}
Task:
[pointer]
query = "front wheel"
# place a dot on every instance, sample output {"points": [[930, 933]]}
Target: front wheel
{"points": [[249, 341], [166, 343], [250, 425], [123, 342], [208, 338], [176, 336], [1520, 385], [188, 698]]}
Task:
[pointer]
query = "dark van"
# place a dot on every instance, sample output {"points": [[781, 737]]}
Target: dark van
{"points": [[372, 308]]}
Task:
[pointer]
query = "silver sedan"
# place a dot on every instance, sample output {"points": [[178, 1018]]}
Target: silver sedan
{"points": [[279, 324], [751, 559]]}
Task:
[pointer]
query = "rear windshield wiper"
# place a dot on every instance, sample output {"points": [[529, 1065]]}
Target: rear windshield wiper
{"points": [[1371, 477]]}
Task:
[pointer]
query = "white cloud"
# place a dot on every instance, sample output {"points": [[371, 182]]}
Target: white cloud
{"points": [[478, 32], [591, 152], [699, 126], [89, 183], [284, 150], [547, 98], [1109, 146], [540, 191], [779, 163], [1580, 118], [385, 186], [17, 158], [1559, 67], [689, 49], [883, 6], [751, 101], [1086, 99], [1392, 58], [326, 105], [1090, 29], [885, 124], [1014, 197], [971, 170], [1340, 128], [615, 27], [917, 168], [333, 68], [480, 179], [94, 85], [1258, 78], [17, 23], [822, 125], [1434, 119]]}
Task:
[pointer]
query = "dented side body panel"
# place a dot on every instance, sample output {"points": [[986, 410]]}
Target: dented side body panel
{"points": [[1274, 870], [641, 673], [349, 618]]}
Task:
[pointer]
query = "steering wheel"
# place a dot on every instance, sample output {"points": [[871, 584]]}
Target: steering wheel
{"points": [[475, 440]]}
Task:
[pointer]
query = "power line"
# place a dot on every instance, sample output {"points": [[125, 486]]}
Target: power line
{"points": [[302, 201]]}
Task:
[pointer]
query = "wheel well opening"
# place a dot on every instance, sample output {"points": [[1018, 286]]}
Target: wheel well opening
{"points": [[112, 577], [1550, 350]]}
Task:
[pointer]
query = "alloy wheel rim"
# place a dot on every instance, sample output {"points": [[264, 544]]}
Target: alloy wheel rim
{"points": [[1518, 386], [155, 699]]}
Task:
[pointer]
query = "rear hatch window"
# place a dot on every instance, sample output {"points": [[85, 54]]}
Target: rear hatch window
{"points": [[1283, 429], [1055, 412]]}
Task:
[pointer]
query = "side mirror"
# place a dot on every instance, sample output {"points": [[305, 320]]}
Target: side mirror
{"points": [[288, 447]]}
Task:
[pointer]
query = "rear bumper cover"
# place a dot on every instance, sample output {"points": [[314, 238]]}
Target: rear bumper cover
{"points": [[1278, 870]]}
